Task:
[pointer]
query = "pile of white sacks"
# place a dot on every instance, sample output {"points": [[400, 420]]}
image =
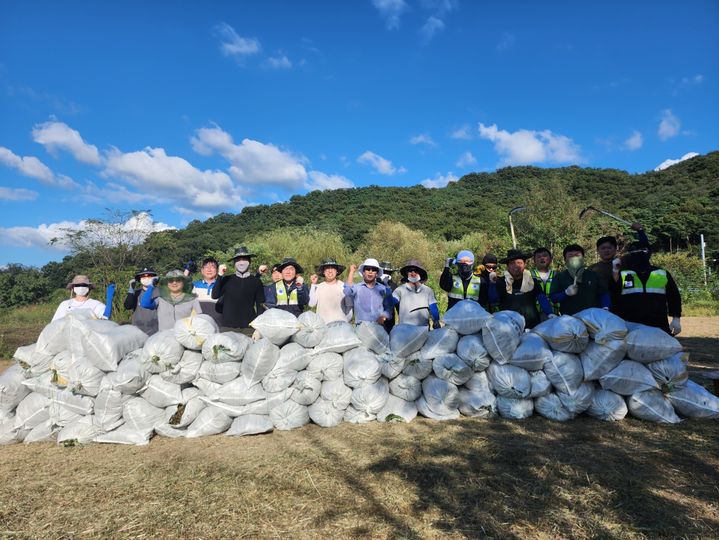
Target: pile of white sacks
{"points": [[93, 380]]}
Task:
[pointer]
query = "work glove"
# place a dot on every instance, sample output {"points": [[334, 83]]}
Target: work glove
{"points": [[572, 290], [299, 280], [131, 290], [155, 281], [448, 262], [190, 266], [675, 326], [384, 279], [616, 264], [493, 277]]}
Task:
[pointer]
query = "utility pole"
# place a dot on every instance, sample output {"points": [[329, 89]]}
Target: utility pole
{"points": [[704, 259]]}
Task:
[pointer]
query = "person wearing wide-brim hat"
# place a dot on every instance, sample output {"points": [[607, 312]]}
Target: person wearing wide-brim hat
{"points": [[290, 293], [518, 291], [417, 303], [144, 319], [328, 296], [172, 298], [240, 295], [80, 288]]}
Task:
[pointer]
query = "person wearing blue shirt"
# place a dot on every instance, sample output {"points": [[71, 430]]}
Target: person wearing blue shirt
{"points": [[203, 288], [372, 301]]}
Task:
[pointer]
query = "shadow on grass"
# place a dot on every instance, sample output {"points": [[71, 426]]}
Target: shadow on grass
{"points": [[703, 351], [579, 479]]}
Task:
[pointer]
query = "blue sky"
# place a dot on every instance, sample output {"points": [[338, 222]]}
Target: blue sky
{"points": [[189, 110]]}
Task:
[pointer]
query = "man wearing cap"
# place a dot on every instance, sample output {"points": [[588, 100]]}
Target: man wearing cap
{"points": [[542, 272], [242, 294], [145, 319], [607, 251], [290, 293], [518, 291], [386, 279], [464, 285], [203, 288], [80, 288], [328, 296], [577, 287], [371, 299], [644, 293], [416, 300]]}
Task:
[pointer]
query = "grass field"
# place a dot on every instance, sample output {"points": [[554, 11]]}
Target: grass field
{"points": [[464, 478]]}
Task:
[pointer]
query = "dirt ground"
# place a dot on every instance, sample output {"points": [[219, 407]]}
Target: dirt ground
{"points": [[457, 479]]}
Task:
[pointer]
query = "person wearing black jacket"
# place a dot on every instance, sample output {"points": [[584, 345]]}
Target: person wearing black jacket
{"points": [[242, 295], [386, 278], [145, 319], [643, 293], [290, 293], [464, 285]]}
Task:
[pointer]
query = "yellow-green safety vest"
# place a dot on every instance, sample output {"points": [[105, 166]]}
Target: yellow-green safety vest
{"points": [[281, 293], [472, 288], [546, 287], [656, 282]]}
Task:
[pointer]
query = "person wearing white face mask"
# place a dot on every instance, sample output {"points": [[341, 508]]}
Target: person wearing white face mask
{"points": [[144, 319], [417, 303], [577, 287], [242, 295], [80, 299]]}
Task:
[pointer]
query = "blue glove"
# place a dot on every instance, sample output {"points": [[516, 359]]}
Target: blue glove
{"points": [[109, 295]]}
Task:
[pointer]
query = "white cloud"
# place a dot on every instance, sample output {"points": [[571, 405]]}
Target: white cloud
{"points": [[324, 182], [431, 27], [507, 42], [668, 126], [466, 159], [55, 136], [669, 162], [252, 162], [379, 164], [279, 62], [439, 181], [696, 79], [152, 171], [463, 133], [232, 44], [634, 142], [141, 225], [390, 11], [34, 168], [17, 194], [422, 138], [523, 147]]}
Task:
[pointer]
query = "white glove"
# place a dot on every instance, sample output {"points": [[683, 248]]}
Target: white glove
{"points": [[493, 277], [385, 278], [300, 280], [616, 264], [256, 336], [675, 326], [572, 290], [448, 262]]}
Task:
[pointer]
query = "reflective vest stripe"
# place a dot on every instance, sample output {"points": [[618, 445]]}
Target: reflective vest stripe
{"points": [[656, 282], [546, 287], [281, 293], [473, 287]]}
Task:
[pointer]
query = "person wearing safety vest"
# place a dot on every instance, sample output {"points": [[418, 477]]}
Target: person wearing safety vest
{"points": [[643, 293], [542, 272], [463, 285], [290, 293]]}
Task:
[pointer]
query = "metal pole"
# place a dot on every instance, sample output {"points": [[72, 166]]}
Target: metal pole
{"points": [[704, 259]]}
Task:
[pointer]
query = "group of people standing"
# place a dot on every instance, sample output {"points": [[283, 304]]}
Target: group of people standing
{"points": [[629, 286]]}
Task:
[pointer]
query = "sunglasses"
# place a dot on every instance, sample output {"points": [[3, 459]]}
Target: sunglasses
{"points": [[490, 266], [371, 269]]}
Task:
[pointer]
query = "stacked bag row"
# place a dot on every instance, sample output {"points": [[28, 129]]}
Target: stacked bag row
{"points": [[91, 380]]}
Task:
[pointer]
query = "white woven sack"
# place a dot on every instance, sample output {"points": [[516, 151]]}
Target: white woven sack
{"points": [[479, 382], [579, 400], [442, 397], [326, 366], [514, 409], [182, 415], [646, 344], [219, 373], [311, 330], [186, 370], [294, 356], [161, 393], [540, 385], [607, 405], [564, 371], [225, 347], [424, 409], [598, 360], [360, 368], [250, 424], [390, 365], [509, 381], [12, 391], [276, 325], [126, 435], [191, 332], [405, 339], [603, 325], [565, 334], [278, 379], [373, 336], [238, 393], [210, 421], [397, 410], [131, 375], [653, 406], [550, 406], [501, 337], [406, 387], [323, 413], [339, 338], [105, 343], [233, 411], [466, 317], [477, 404], [417, 367], [161, 351], [671, 373], [628, 378], [353, 416], [337, 393], [695, 401], [370, 398], [289, 415], [139, 414], [259, 360], [440, 341], [471, 349], [109, 405], [305, 389], [532, 353], [452, 368], [82, 431]]}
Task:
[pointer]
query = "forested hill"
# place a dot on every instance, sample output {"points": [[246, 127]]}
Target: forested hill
{"points": [[678, 203]]}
